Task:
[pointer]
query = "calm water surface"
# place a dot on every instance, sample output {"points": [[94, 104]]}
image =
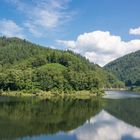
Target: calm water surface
{"points": [[114, 117]]}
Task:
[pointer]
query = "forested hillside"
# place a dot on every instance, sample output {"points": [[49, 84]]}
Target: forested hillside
{"points": [[127, 68], [26, 66]]}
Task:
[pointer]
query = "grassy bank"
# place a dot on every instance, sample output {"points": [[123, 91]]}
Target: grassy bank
{"points": [[84, 94]]}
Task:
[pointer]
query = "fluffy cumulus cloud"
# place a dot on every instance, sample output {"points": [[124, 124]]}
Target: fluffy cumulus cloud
{"points": [[10, 28], [43, 15], [135, 31], [100, 46]]}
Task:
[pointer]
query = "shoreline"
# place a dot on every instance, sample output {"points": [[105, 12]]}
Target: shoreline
{"points": [[85, 94], [116, 89]]}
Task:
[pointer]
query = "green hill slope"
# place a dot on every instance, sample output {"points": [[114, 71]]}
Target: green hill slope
{"points": [[25, 66], [127, 68]]}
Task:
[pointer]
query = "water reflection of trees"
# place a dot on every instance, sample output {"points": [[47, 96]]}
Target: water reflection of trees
{"points": [[28, 118], [127, 110]]}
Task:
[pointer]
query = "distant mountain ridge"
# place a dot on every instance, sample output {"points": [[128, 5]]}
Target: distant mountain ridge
{"points": [[126, 68]]}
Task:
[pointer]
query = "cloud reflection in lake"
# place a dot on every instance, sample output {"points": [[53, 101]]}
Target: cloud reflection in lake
{"points": [[104, 126]]}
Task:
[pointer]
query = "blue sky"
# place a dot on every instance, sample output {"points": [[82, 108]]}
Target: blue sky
{"points": [[101, 30]]}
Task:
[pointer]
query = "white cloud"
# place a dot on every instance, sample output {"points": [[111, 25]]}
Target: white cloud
{"points": [[32, 29], [9, 28], [101, 47], [135, 31], [43, 15]]}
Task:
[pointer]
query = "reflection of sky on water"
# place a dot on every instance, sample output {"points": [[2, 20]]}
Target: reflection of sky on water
{"points": [[101, 127], [120, 95], [106, 127]]}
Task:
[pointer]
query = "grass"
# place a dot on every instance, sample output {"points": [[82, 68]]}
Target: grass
{"points": [[84, 94]]}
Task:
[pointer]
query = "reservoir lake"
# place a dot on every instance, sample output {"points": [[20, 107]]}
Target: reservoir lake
{"points": [[115, 116]]}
